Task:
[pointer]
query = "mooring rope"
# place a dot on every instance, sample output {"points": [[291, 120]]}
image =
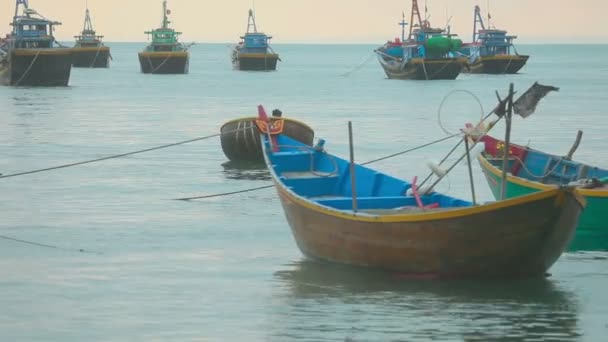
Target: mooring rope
{"points": [[159, 66], [360, 66], [27, 71], [80, 250], [121, 155], [95, 59]]}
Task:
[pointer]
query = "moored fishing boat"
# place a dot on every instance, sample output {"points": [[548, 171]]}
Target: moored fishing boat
{"points": [[165, 54], [89, 50], [426, 53], [492, 50], [30, 55], [253, 52], [531, 171], [240, 138], [347, 213]]}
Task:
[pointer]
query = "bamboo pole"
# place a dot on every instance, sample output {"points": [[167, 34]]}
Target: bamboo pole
{"points": [[353, 178], [505, 160], [466, 145]]}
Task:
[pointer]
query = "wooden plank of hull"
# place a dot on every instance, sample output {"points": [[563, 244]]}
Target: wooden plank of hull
{"points": [[509, 64], [37, 67], [429, 69], [91, 57], [240, 138], [164, 63], [253, 62], [503, 242], [592, 231]]}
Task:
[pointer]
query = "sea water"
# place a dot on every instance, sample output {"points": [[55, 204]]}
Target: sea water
{"points": [[101, 252]]}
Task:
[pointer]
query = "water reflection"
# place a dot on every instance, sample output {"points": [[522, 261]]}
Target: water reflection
{"points": [[332, 302], [246, 170]]}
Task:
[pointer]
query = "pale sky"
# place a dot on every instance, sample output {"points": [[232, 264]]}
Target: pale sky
{"points": [[322, 21]]}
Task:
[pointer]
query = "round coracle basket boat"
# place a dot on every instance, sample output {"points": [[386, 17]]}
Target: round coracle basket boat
{"points": [[240, 138]]}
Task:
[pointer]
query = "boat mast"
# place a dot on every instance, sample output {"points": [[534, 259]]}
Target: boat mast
{"points": [[166, 21], [415, 14], [478, 20], [88, 26], [403, 24], [251, 22], [20, 2]]}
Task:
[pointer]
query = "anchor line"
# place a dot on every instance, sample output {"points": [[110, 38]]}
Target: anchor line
{"points": [[80, 250], [27, 71], [95, 59], [122, 154]]}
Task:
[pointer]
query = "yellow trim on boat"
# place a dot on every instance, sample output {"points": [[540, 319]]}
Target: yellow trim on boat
{"points": [[486, 165], [248, 118], [90, 49], [503, 57], [42, 52], [418, 217], [163, 54], [258, 55], [436, 61]]}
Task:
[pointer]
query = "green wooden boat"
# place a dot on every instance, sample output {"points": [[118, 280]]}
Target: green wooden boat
{"points": [[531, 171]]}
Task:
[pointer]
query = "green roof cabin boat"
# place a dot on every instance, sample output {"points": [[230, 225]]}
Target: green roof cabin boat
{"points": [[165, 55], [427, 53], [89, 50], [30, 55], [253, 52], [492, 50]]}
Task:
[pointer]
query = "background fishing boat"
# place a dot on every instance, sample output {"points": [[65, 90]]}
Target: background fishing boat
{"points": [[253, 52], [165, 55], [530, 171], [30, 55], [492, 50], [347, 213], [425, 54], [89, 50], [240, 138]]}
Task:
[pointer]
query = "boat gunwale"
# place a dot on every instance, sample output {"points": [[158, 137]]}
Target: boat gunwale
{"points": [[408, 217], [253, 118], [163, 53], [487, 166]]}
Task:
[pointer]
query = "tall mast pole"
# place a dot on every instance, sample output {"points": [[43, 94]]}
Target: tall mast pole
{"points": [[415, 14], [20, 2], [165, 18]]}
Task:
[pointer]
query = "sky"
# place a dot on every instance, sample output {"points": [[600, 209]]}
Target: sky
{"points": [[322, 21]]}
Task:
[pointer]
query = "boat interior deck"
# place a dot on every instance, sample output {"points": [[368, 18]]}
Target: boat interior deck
{"points": [[326, 180]]}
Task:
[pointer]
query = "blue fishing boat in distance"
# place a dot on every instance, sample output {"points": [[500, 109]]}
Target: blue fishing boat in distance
{"points": [[348, 213], [426, 53], [30, 55], [492, 50], [253, 52]]}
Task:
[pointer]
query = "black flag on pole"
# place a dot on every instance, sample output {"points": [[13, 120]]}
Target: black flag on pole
{"points": [[526, 104]]}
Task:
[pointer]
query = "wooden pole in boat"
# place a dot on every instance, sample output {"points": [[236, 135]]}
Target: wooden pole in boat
{"points": [[353, 178], [466, 145], [577, 142], [505, 159]]}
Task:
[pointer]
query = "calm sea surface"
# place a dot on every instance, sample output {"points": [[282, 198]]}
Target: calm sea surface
{"points": [[227, 268]]}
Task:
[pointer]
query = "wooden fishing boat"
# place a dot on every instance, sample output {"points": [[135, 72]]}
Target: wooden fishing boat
{"points": [[253, 52], [30, 55], [380, 225], [532, 171], [165, 55], [425, 54], [89, 50], [240, 138], [492, 50]]}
